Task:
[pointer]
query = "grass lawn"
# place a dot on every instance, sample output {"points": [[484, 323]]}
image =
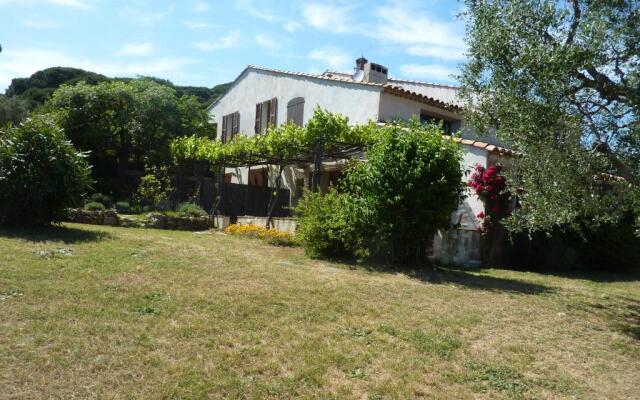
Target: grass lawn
{"points": [[98, 312]]}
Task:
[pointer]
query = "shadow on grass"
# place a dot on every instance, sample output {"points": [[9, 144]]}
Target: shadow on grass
{"points": [[623, 313], [461, 277], [585, 274], [63, 234]]}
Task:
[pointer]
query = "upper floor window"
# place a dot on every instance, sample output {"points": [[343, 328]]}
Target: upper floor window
{"points": [[266, 114], [295, 111], [426, 118], [230, 126]]}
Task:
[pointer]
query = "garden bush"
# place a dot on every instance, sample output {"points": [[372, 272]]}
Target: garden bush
{"points": [[103, 199], [390, 206], [94, 206], [192, 210], [123, 207], [327, 224], [154, 189], [41, 173]]}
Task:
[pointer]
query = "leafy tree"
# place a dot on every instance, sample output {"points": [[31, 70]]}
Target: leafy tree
{"points": [[390, 205], [41, 173], [131, 122], [406, 190], [560, 82], [39, 87], [12, 110]]}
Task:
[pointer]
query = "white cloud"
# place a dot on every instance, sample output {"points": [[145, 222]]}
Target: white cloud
{"points": [[328, 17], [136, 49], [425, 36], [332, 57], [201, 6], [79, 4], [38, 24], [197, 24], [144, 17], [268, 42], [249, 7], [291, 26], [442, 52], [429, 71], [24, 62], [225, 42]]}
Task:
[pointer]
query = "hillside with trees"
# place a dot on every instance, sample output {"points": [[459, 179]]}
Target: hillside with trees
{"points": [[26, 94]]}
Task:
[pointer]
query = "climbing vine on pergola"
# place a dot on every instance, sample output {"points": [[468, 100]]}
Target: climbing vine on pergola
{"points": [[327, 136]]}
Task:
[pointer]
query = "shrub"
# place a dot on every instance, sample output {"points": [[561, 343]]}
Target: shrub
{"points": [[107, 201], [123, 207], [390, 206], [94, 206], [192, 210], [327, 224], [41, 173], [154, 189], [406, 191]]}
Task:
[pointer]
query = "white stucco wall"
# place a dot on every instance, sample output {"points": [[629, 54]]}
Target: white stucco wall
{"points": [[394, 107], [358, 102], [471, 157]]}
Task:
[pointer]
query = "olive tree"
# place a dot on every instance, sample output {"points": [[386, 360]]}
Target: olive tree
{"points": [[559, 81]]}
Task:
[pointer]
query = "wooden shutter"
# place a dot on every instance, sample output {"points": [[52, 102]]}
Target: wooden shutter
{"points": [[236, 124], [258, 127], [295, 111], [223, 134], [273, 111]]}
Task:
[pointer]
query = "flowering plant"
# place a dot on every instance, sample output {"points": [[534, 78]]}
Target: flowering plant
{"points": [[490, 186], [273, 236]]}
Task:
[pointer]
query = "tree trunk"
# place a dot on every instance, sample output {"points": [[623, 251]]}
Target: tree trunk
{"points": [[273, 201], [317, 165], [123, 160]]}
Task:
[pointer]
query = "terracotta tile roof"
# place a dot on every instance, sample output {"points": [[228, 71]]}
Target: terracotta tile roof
{"points": [[386, 87], [483, 145], [345, 74]]}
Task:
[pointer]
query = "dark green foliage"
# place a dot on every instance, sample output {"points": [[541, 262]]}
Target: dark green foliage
{"points": [[392, 204], [154, 189], [123, 207], [192, 210], [41, 173], [406, 191], [126, 125], [12, 110], [558, 81], [94, 206], [39, 87], [327, 224], [107, 201]]}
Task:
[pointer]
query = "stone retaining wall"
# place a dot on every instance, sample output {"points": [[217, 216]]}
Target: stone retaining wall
{"points": [[157, 221]]}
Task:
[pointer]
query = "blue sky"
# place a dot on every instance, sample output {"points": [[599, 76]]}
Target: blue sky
{"points": [[206, 42]]}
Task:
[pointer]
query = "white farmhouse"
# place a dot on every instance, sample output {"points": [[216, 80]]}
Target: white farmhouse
{"points": [[260, 96]]}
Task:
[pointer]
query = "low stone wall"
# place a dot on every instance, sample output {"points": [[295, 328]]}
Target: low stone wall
{"points": [[157, 221], [281, 224]]}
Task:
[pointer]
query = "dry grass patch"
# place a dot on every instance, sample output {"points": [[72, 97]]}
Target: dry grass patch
{"points": [[133, 313]]}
